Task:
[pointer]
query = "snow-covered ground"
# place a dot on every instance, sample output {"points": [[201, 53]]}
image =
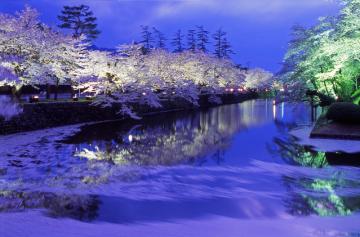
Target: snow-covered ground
{"points": [[33, 224], [325, 145]]}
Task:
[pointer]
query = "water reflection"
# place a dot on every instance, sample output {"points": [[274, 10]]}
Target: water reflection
{"points": [[235, 161], [322, 196], [316, 196], [290, 151], [84, 208], [178, 139]]}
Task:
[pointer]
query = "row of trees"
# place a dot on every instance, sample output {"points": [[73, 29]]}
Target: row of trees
{"points": [[326, 57], [195, 41], [80, 21], [32, 53]]}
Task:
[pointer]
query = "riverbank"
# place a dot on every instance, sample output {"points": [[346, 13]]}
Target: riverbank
{"points": [[326, 129], [37, 116]]}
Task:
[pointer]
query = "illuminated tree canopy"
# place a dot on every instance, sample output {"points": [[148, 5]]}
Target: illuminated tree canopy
{"points": [[326, 56], [31, 53]]}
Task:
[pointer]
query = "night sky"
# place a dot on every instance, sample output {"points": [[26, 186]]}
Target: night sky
{"points": [[258, 29]]}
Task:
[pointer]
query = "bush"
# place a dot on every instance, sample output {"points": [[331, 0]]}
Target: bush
{"points": [[344, 112]]}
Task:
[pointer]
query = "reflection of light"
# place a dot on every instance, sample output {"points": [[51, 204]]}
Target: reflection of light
{"points": [[282, 109], [130, 138], [274, 110]]}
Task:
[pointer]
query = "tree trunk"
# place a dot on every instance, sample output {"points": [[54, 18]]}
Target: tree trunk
{"points": [[326, 89], [48, 91], [56, 90], [16, 93]]}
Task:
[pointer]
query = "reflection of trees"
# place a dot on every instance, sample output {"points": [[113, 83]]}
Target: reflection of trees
{"points": [[183, 139], [320, 197], [290, 151], [74, 206]]}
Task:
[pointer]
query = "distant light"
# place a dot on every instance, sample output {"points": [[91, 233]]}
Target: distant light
{"points": [[274, 102], [143, 93], [173, 93], [130, 138], [282, 89], [231, 90], [34, 98]]}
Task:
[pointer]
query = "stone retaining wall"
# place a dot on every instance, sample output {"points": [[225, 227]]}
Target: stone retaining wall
{"points": [[45, 115]]}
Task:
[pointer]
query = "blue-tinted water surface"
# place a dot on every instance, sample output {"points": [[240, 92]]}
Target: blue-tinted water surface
{"points": [[235, 161]]}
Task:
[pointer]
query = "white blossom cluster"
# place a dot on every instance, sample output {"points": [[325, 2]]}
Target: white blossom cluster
{"points": [[31, 53]]}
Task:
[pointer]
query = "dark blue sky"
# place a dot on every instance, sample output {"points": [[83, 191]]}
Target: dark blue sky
{"points": [[258, 29]]}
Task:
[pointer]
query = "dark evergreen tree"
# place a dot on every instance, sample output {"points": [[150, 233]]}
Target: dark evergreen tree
{"points": [[202, 38], [177, 42], [222, 45], [226, 48], [79, 19], [160, 39], [218, 45], [147, 39], [191, 39]]}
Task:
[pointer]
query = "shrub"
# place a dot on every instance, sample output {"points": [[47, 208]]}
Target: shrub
{"points": [[344, 112]]}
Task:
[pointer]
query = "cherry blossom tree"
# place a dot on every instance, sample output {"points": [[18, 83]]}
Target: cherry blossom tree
{"points": [[259, 79], [36, 54]]}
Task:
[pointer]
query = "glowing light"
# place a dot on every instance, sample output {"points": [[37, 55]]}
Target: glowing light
{"points": [[34, 98], [130, 138], [144, 94], [274, 111]]}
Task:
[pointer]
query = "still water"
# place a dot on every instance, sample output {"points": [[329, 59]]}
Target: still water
{"points": [[235, 161]]}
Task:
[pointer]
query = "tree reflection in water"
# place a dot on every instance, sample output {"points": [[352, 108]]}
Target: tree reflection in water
{"points": [[324, 196], [186, 139], [81, 207]]}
